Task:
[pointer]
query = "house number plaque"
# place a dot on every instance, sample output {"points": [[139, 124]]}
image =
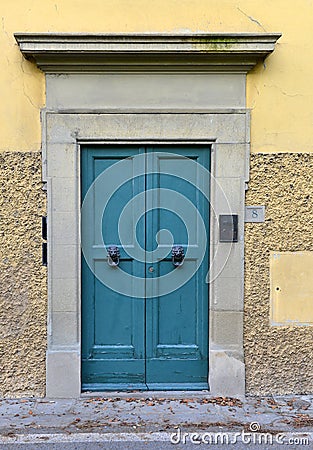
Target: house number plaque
{"points": [[255, 214]]}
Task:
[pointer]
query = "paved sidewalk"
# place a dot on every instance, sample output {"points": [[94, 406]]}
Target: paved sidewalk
{"points": [[143, 414]]}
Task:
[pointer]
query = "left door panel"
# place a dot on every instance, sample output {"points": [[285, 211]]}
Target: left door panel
{"points": [[113, 328]]}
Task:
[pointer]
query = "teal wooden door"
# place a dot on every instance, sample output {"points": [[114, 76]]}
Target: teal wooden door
{"points": [[145, 322]]}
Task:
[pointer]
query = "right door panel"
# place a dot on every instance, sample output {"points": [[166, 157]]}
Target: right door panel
{"points": [[177, 321]]}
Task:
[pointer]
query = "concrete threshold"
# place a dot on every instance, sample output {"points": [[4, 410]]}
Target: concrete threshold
{"points": [[173, 395]]}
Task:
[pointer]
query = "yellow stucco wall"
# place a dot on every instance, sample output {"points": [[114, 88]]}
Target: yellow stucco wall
{"points": [[280, 93], [23, 279], [291, 275], [279, 359]]}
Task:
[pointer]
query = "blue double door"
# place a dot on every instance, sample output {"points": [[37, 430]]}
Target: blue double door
{"points": [[145, 319]]}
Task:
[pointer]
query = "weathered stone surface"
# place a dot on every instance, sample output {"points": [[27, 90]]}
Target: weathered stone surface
{"points": [[227, 373]]}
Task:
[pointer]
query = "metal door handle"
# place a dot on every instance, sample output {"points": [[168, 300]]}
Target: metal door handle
{"points": [[178, 255], [113, 255]]}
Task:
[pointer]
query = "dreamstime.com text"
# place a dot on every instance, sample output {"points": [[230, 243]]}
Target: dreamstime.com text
{"points": [[245, 437]]}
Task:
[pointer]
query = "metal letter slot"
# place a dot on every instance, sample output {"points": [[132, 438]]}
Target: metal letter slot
{"points": [[44, 227], [178, 255], [44, 244], [228, 227], [113, 256]]}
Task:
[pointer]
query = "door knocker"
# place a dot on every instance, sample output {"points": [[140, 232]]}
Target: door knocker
{"points": [[178, 255], [113, 256]]}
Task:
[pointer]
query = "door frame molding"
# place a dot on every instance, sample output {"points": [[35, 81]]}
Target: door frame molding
{"points": [[64, 133], [210, 110]]}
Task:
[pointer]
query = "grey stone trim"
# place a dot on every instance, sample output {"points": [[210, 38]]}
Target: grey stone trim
{"points": [[226, 364], [229, 136], [67, 52], [63, 374], [140, 92]]}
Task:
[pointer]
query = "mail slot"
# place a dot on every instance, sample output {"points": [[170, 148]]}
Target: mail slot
{"points": [[228, 224]]}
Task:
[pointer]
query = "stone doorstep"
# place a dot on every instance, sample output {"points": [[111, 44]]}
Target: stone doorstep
{"points": [[173, 395]]}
